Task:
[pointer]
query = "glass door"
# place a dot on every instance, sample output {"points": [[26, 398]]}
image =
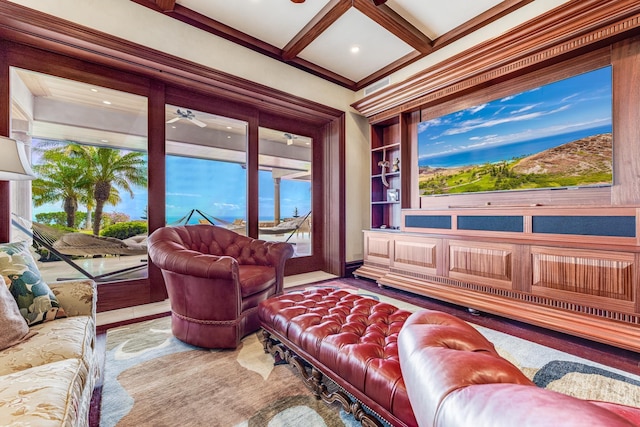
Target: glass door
{"points": [[85, 213], [206, 173], [285, 189]]}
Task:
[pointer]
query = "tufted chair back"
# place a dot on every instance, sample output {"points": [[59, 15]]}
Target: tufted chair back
{"points": [[215, 279]]}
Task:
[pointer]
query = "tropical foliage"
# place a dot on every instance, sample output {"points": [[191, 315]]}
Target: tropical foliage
{"points": [[61, 178], [124, 230], [60, 219], [112, 170], [86, 175]]}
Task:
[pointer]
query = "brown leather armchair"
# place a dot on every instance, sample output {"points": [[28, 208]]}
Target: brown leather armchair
{"points": [[215, 279]]}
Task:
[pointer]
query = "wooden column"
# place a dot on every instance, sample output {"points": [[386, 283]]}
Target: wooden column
{"points": [[276, 201], [5, 113]]}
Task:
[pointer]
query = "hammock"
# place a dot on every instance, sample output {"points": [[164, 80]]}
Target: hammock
{"points": [[64, 244], [210, 219], [81, 244], [290, 226]]}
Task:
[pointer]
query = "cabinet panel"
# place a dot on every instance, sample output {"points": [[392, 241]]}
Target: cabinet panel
{"points": [[417, 254], [377, 247], [481, 263], [587, 276]]}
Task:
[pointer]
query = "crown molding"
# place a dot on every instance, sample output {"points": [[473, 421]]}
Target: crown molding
{"points": [[572, 29], [25, 26]]}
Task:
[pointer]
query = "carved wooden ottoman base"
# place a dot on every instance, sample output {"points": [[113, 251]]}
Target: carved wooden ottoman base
{"points": [[316, 382], [348, 338]]}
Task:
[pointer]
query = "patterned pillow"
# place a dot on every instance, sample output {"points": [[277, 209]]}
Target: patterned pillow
{"points": [[35, 300]]}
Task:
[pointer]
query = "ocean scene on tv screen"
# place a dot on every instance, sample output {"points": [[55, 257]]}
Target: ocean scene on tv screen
{"points": [[556, 135]]}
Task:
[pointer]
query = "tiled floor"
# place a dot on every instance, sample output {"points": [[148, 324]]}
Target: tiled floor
{"points": [[123, 314]]}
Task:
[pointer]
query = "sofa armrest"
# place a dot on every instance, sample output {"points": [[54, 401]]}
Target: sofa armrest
{"points": [[439, 354], [77, 297], [455, 378], [508, 405]]}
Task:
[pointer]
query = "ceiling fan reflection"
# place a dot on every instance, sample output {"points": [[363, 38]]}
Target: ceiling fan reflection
{"points": [[187, 115]]}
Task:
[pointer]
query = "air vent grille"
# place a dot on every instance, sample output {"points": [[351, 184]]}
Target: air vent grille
{"points": [[380, 84]]}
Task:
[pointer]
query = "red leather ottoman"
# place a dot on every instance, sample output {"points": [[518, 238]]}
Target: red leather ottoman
{"points": [[349, 338]]}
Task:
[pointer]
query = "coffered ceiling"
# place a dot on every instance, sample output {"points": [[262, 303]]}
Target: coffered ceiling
{"points": [[353, 43]]}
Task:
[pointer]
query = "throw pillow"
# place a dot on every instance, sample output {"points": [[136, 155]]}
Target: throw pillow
{"points": [[35, 300], [14, 327]]}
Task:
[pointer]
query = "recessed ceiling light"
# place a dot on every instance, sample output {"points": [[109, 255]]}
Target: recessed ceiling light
{"points": [[106, 102], [355, 49], [104, 140], [228, 136], [94, 90], [173, 127], [229, 127]]}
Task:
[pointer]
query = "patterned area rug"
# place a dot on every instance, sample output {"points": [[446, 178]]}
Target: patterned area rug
{"points": [[153, 379]]}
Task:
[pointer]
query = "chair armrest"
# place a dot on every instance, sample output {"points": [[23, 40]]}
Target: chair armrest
{"points": [[278, 253], [77, 297]]}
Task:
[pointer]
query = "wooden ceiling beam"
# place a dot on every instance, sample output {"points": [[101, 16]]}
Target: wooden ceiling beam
{"points": [[195, 19], [323, 20], [396, 65], [165, 5], [575, 27], [375, 10], [390, 20], [485, 18]]}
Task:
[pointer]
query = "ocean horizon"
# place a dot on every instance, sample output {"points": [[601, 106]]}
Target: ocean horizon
{"points": [[508, 151], [217, 220]]}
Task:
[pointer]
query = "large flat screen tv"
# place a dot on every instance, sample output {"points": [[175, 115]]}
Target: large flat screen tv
{"points": [[553, 136]]}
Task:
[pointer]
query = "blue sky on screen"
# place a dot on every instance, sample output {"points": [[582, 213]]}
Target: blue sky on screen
{"points": [[575, 104]]}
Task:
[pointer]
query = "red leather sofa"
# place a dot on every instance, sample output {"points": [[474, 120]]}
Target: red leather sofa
{"points": [[215, 279], [455, 378]]}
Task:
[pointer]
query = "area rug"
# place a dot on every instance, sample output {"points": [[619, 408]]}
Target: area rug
{"points": [[153, 379]]}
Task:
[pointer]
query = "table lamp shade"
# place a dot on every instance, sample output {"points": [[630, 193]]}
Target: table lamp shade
{"points": [[14, 164]]}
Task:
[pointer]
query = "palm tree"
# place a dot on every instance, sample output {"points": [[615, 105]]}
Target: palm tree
{"points": [[112, 170], [88, 175], [61, 178]]}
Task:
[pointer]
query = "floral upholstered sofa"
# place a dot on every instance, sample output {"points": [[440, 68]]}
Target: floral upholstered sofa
{"points": [[47, 374]]}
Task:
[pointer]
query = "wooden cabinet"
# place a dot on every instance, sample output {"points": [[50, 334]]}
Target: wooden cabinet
{"points": [[571, 269]]}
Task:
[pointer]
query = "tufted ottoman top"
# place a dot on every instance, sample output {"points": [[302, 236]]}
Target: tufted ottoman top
{"points": [[351, 336]]}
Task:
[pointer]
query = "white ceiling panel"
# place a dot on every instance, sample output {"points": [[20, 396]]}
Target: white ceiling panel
{"points": [[435, 18], [273, 21], [376, 47]]}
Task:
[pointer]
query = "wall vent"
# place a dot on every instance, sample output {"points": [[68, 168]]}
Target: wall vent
{"points": [[380, 84]]}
